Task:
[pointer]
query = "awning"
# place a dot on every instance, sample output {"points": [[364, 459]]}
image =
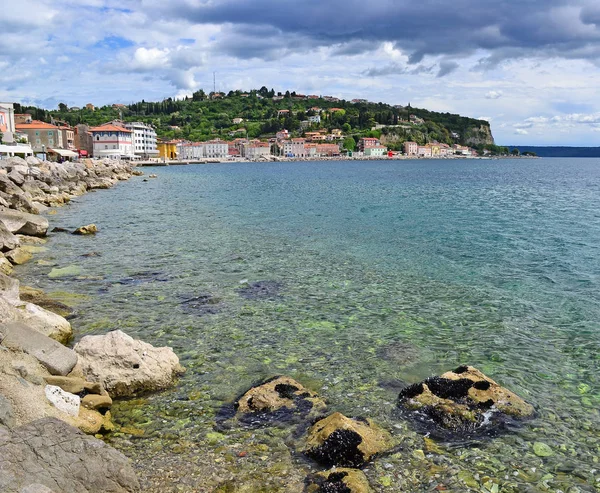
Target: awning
{"points": [[64, 152], [83, 153], [16, 149]]}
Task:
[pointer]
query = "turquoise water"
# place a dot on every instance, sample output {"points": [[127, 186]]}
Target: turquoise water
{"points": [[382, 274]]}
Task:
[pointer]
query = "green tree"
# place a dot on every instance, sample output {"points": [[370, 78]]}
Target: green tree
{"points": [[346, 128], [349, 144], [515, 152]]}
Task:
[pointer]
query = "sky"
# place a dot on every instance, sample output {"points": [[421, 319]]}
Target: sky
{"points": [[529, 67]]}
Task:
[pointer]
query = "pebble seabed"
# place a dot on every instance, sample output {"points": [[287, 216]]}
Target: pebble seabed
{"points": [[314, 324]]}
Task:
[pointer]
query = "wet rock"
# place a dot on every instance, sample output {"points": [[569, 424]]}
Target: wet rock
{"points": [[68, 271], [92, 254], [8, 241], [261, 290], [56, 358], [39, 298], [49, 453], [5, 265], [97, 402], [23, 222], [341, 441], [18, 256], [463, 400], [90, 229], [204, 304], [338, 480], [125, 366], [278, 399], [60, 230]]}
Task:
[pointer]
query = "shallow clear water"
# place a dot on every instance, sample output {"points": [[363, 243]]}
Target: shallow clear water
{"points": [[389, 272]]}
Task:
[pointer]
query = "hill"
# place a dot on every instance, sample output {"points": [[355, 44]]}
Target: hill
{"points": [[263, 113]]}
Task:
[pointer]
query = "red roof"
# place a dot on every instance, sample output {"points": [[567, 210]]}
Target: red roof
{"points": [[36, 124], [109, 127]]}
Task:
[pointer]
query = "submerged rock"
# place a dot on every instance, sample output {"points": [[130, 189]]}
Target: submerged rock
{"points": [[126, 366], [341, 441], [38, 297], [144, 277], [260, 290], [463, 400], [49, 455], [278, 399], [338, 480], [204, 304]]}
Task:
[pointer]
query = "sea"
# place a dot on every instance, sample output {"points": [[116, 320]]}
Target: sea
{"points": [[356, 279]]}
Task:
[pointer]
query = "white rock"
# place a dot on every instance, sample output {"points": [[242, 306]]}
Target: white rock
{"points": [[125, 366], [64, 401]]}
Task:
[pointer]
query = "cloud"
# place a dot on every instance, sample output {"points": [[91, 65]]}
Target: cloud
{"points": [[520, 131], [494, 95], [447, 67]]}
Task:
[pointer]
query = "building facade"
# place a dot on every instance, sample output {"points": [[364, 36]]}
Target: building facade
{"points": [[41, 135], [112, 141], [7, 122], [143, 139], [411, 148], [84, 141], [366, 142], [68, 137], [190, 151], [167, 149], [294, 148], [256, 150], [375, 151]]}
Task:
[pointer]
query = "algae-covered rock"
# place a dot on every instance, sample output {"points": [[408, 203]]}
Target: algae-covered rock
{"points": [[462, 400], [69, 271], [341, 441], [542, 450], [338, 480], [38, 297], [278, 398]]}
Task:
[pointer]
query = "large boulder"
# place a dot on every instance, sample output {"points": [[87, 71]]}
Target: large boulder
{"points": [[9, 288], [126, 366], [56, 358], [341, 441], [23, 222], [8, 241], [18, 256], [279, 398], [49, 453], [5, 266], [463, 400], [37, 318], [338, 480]]}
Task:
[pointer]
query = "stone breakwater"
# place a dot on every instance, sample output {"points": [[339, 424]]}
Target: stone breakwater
{"points": [[53, 396]]}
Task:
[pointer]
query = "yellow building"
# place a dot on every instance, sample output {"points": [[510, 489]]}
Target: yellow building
{"points": [[167, 149]]}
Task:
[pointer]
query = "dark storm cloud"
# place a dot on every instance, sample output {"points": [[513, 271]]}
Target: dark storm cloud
{"points": [[565, 28]]}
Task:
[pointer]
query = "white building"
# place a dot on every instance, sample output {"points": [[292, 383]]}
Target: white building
{"points": [[144, 139], [190, 151], [7, 122], [314, 119], [111, 140], [295, 148]]}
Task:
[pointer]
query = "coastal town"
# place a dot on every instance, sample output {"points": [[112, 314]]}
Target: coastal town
{"points": [[58, 140]]}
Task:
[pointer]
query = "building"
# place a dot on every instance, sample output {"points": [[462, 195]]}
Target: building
{"points": [[90, 107], [189, 151], [328, 150], [295, 148], [314, 119], [167, 149], [375, 151], [144, 139], [113, 141], [7, 122], [282, 135], [237, 121], [68, 137], [255, 150], [41, 135], [23, 118], [281, 113], [84, 141], [424, 151], [366, 142], [411, 148]]}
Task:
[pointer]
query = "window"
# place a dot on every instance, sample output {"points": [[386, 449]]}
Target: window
{"points": [[114, 146], [105, 146], [50, 132], [50, 142], [38, 141]]}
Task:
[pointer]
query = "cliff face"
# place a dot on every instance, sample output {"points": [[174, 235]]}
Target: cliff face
{"points": [[479, 135]]}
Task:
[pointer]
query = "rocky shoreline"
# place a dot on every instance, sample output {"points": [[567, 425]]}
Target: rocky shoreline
{"points": [[52, 397]]}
